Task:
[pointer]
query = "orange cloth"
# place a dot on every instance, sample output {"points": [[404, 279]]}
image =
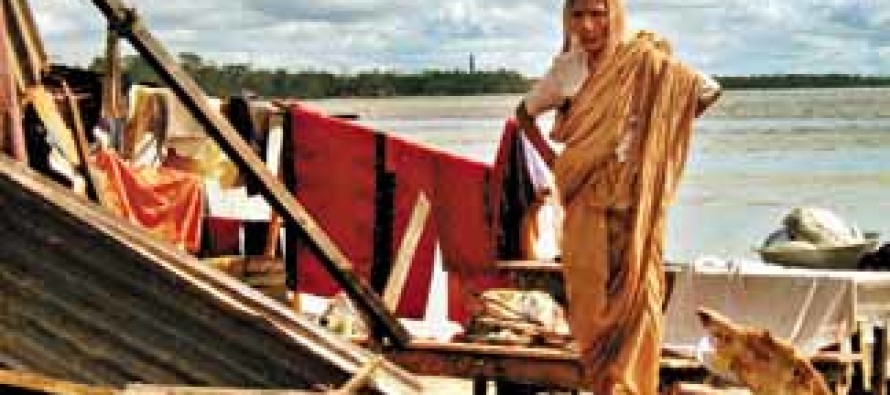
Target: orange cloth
{"points": [[614, 227], [168, 203]]}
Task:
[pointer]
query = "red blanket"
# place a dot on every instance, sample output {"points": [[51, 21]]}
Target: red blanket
{"points": [[335, 180]]}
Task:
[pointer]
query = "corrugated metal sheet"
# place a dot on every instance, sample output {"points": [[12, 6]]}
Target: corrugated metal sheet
{"points": [[87, 298]]}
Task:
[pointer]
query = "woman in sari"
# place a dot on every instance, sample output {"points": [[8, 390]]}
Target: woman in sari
{"points": [[625, 112]]}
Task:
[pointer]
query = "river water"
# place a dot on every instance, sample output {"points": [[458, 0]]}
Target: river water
{"points": [[755, 155]]}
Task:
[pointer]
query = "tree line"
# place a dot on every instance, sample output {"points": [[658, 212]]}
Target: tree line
{"points": [[802, 81], [232, 79], [225, 80]]}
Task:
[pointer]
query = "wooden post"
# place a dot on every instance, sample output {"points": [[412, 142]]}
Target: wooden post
{"points": [[80, 143], [125, 21], [879, 362], [25, 42], [384, 212]]}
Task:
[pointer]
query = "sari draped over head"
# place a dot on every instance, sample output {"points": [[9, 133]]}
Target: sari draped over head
{"points": [[615, 300]]}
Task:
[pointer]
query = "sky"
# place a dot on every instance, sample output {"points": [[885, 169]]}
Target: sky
{"points": [[722, 37]]}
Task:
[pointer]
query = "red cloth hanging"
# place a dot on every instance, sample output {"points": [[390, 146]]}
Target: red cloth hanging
{"points": [[334, 172], [335, 180]]}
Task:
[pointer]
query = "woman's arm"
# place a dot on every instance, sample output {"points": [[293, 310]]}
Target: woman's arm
{"points": [[529, 126]]}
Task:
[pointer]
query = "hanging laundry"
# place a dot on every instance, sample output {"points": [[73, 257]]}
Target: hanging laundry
{"points": [[344, 205]]}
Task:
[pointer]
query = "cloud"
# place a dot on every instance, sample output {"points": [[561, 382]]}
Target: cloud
{"points": [[719, 36]]}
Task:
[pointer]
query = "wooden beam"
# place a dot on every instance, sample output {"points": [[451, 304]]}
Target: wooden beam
{"points": [[359, 379], [551, 367], [12, 87], [80, 144], [26, 44], [402, 265], [39, 53], [24, 382], [153, 389], [125, 21]]}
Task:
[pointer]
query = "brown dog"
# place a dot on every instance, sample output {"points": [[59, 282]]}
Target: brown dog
{"points": [[763, 363]]}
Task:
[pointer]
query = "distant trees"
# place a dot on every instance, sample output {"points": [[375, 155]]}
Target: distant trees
{"points": [[229, 79], [802, 81]]}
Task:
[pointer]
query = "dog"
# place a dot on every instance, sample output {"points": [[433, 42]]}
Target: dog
{"points": [[765, 364]]}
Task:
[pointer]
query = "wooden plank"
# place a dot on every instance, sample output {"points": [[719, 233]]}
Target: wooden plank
{"points": [[11, 120], [149, 389], [112, 100], [532, 353], [26, 45], [27, 19], [358, 380], [551, 367], [188, 92], [15, 67], [36, 383], [80, 144], [402, 265]]}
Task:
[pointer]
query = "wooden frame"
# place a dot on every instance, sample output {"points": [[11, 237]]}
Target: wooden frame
{"points": [[126, 23]]}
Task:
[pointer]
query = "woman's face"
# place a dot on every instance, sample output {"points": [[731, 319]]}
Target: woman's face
{"points": [[589, 23]]}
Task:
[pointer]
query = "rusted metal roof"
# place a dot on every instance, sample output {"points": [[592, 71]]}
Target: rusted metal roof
{"points": [[91, 299]]}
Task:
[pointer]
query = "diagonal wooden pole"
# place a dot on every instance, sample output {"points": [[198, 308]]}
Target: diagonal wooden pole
{"points": [[125, 22]]}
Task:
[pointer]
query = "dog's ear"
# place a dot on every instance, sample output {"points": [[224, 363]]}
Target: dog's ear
{"points": [[785, 349], [705, 316], [765, 337]]}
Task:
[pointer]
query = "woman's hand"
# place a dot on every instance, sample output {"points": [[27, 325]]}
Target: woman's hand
{"points": [[705, 101], [529, 126]]}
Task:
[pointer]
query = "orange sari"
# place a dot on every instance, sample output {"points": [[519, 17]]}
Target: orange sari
{"points": [[614, 226]]}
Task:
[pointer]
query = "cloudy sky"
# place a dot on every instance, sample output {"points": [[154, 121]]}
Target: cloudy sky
{"points": [[727, 37]]}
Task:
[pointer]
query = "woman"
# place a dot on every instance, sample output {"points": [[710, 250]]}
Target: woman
{"points": [[625, 116]]}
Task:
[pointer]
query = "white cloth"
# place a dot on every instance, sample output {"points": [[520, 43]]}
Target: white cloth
{"points": [[811, 309], [562, 82]]}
